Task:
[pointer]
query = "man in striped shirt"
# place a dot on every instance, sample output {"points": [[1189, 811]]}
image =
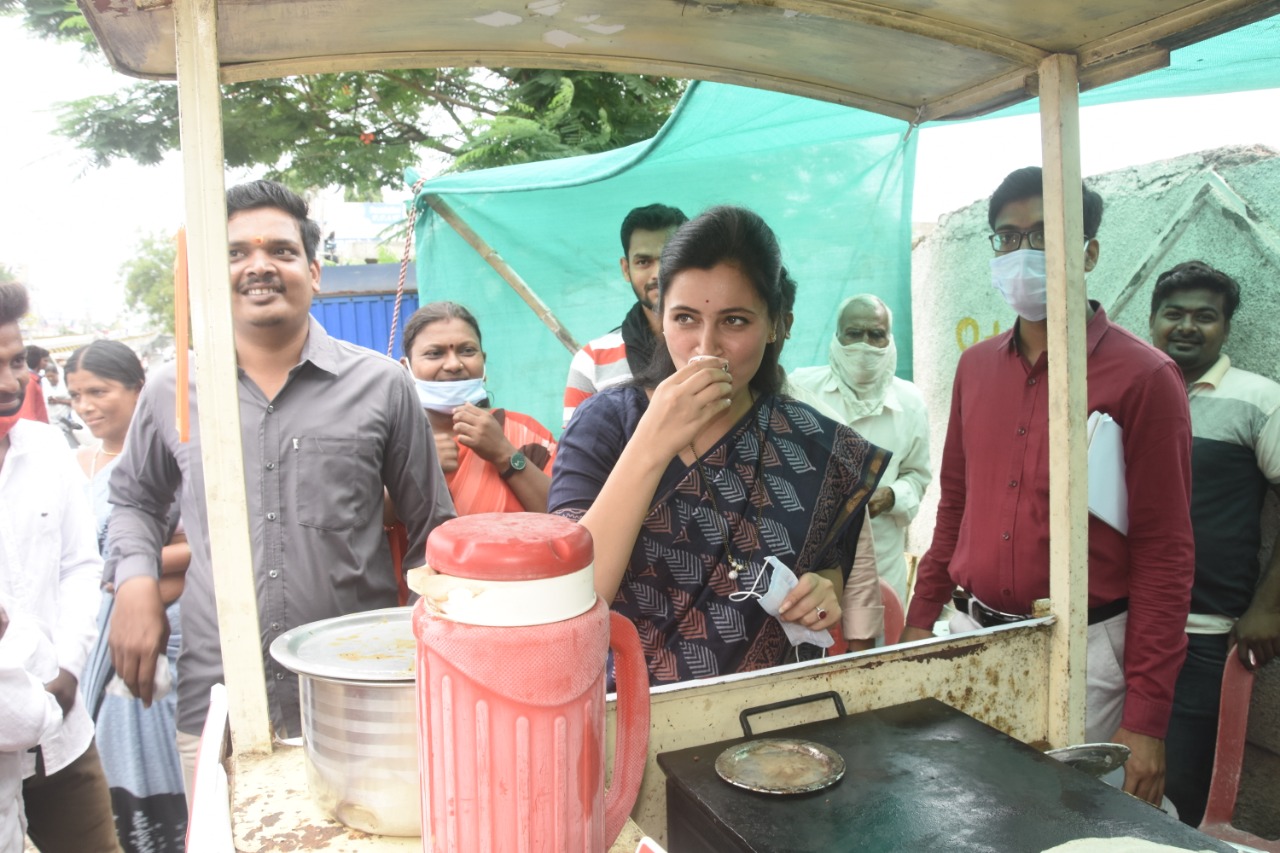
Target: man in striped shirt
{"points": [[612, 359], [1235, 461]]}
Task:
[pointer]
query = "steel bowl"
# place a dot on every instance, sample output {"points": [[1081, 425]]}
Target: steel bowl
{"points": [[359, 717]]}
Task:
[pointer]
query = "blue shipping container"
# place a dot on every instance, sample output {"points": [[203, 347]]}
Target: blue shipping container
{"points": [[356, 304]]}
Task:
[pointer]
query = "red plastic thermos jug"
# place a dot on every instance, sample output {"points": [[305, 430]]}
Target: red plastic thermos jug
{"points": [[512, 645]]}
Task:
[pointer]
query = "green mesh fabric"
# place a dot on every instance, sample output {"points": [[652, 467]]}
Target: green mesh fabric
{"points": [[835, 184]]}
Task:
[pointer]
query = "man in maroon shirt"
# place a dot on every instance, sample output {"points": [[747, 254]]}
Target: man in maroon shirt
{"points": [[992, 534]]}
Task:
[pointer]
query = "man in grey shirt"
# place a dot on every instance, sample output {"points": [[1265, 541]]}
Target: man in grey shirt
{"points": [[325, 426]]}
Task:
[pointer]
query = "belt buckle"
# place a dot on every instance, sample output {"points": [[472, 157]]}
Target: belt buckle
{"points": [[989, 617]]}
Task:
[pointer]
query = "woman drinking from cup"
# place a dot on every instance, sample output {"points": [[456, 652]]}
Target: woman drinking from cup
{"points": [[691, 477]]}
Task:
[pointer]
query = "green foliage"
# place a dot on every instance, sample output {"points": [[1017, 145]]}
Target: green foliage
{"points": [[148, 278], [7, 274], [360, 130], [57, 19]]}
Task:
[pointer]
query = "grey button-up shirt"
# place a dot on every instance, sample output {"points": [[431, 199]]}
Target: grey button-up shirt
{"points": [[316, 458]]}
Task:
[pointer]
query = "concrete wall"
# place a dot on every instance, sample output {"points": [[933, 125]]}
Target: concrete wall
{"points": [[1221, 206]]}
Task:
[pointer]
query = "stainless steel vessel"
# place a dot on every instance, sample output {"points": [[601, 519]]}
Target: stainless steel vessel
{"points": [[359, 717]]}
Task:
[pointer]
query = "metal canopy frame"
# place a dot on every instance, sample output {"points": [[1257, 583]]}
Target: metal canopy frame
{"points": [[916, 60]]}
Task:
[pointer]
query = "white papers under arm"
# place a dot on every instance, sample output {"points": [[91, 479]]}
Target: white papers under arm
{"points": [[1108, 492]]}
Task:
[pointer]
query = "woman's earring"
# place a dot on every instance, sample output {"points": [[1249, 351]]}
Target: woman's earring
{"points": [[773, 336]]}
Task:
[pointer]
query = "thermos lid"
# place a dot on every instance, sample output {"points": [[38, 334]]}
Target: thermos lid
{"points": [[509, 546]]}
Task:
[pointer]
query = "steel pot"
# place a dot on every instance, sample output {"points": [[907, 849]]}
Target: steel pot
{"points": [[359, 717]]}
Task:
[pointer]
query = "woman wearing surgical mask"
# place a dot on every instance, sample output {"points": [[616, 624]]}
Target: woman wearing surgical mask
{"points": [[493, 460]]}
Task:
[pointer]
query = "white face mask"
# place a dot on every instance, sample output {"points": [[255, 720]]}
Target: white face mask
{"points": [[860, 363], [444, 397], [1021, 279]]}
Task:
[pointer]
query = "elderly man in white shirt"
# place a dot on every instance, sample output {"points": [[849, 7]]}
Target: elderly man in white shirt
{"points": [[859, 384], [50, 570]]}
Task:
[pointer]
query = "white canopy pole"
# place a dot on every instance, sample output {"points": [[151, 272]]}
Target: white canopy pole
{"points": [[1068, 459], [200, 113]]}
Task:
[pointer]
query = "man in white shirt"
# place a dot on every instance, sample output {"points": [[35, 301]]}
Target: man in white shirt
{"points": [[28, 712], [50, 570], [859, 384], [58, 401]]}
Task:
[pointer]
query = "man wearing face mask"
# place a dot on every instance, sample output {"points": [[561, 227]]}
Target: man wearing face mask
{"points": [[859, 385], [992, 534]]}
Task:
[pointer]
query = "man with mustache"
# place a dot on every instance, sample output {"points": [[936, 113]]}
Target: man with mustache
{"points": [[49, 572], [1235, 457], [612, 359], [325, 425]]}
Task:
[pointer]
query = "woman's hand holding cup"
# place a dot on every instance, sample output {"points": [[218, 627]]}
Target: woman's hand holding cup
{"points": [[686, 401]]}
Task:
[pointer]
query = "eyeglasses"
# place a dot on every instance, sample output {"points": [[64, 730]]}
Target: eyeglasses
{"points": [[1010, 241]]}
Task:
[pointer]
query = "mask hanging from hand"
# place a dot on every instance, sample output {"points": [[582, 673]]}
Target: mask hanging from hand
{"points": [[444, 397], [1021, 279]]}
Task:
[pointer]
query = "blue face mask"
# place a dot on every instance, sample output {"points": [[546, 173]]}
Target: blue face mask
{"points": [[444, 397]]}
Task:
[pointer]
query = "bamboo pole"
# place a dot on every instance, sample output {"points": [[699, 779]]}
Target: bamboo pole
{"points": [[200, 114], [1068, 459], [509, 275]]}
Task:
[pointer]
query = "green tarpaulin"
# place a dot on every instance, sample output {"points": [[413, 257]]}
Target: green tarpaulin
{"points": [[834, 182]]}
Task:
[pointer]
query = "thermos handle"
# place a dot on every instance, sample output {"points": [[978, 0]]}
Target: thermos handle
{"points": [[631, 751]]}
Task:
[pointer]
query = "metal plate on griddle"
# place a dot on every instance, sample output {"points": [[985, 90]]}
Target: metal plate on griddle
{"points": [[780, 766]]}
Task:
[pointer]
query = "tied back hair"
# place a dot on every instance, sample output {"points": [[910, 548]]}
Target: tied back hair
{"points": [[434, 312], [108, 360]]}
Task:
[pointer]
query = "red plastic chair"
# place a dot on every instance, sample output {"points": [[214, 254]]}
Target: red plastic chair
{"points": [[894, 616], [1233, 721]]}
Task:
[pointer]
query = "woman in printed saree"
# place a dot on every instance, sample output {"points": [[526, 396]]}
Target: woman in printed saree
{"points": [[494, 460], [695, 474]]}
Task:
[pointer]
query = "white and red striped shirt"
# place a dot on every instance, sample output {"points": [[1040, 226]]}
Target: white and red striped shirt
{"points": [[601, 364]]}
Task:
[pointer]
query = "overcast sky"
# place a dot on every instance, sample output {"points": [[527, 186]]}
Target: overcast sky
{"points": [[68, 227]]}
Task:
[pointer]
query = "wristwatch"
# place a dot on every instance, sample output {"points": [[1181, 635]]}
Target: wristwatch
{"points": [[514, 466]]}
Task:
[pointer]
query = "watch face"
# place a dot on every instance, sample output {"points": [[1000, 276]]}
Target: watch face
{"points": [[518, 461]]}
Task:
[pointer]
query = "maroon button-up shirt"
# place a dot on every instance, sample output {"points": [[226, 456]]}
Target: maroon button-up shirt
{"points": [[992, 533]]}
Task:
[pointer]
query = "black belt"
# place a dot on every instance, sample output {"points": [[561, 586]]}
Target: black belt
{"points": [[988, 617]]}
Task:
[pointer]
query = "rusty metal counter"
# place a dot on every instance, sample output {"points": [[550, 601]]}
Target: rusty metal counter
{"points": [[273, 811], [920, 776]]}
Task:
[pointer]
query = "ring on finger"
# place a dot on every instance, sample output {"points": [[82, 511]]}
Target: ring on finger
{"points": [[822, 614]]}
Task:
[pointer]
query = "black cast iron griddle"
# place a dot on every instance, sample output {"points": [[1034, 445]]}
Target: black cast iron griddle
{"points": [[920, 776]]}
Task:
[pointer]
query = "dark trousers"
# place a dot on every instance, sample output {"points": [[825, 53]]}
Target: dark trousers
{"points": [[70, 810], [1193, 727]]}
